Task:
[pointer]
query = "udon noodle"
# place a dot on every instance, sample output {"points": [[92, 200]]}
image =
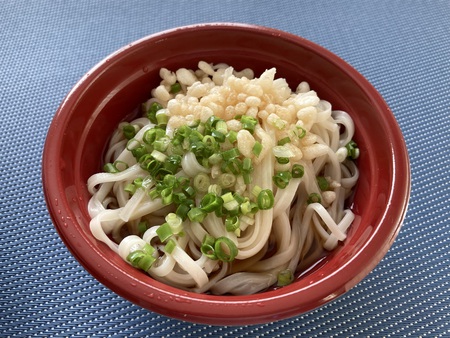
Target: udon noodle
{"points": [[228, 184]]}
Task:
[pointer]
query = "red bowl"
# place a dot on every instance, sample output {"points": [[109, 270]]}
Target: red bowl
{"points": [[115, 87]]}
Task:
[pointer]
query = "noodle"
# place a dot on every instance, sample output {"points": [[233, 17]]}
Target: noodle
{"points": [[229, 183]]}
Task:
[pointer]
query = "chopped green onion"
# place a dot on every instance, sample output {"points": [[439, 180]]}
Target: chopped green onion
{"points": [[298, 171], [171, 244], [130, 188], [247, 177], [175, 88], [352, 150], [146, 262], [265, 199], [247, 164], [183, 181], [148, 249], [179, 198], [153, 134], [228, 197], [170, 181], [229, 202], [231, 136], [161, 117], [172, 163], [139, 151], [300, 132], [142, 227], [226, 180], [249, 123], [141, 260], [128, 131], [207, 247], [175, 222], [248, 207], [282, 151], [232, 223], [153, 194], [167, 196], [215, 189], [234, 166], [285, 277], [211, 202], [110, 168], [202, 182], [283, 141], [121, 165], [189, 191], [218, 136], [180, 135], [247, 220], [138, 181], [240, 199], [281, 179], [230, 154], [150, 164], [215, 158], [182, 210], [164, 232], [211, 122], [313, 198], [225, 249], [146, 182], [134, 257], [196, 215], [232, 205], [151, 112], [159, 156], [256, 190], [221, 126], [323, 183], [283, 160], [209, 140], [257, 148], [161, 144]]}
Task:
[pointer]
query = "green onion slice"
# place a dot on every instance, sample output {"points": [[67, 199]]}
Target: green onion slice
{"points": [[202, 182], [211, 202], [323, 183], [265, 199], [128, 131], [313, 198], [282, 178], [298, 171], [225, 249], [164, 232], [171, 244], [175, 222], [232, 223], [196, 214], [207, 247], [285, 277], [257, 148]]}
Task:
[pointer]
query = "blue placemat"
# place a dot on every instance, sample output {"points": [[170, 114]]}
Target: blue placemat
{"points": [[402, 47]]}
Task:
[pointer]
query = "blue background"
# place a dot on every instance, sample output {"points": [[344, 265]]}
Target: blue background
{"points": [[401, 47]]}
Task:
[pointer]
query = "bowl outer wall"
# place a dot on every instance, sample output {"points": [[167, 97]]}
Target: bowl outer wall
{"points": [[78, 134]]}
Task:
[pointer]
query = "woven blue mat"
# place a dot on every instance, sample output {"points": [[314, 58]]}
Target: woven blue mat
{"points": [[402, 47]]}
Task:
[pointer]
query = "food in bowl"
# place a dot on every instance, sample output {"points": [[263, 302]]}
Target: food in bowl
{"points": [[228, 183], [115, 88]]}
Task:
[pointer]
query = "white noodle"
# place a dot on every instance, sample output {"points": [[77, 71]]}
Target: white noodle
{"points": [[292, 234]]}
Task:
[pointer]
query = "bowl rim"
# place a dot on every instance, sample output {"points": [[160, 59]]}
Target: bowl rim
{"points": [[356, 268]]}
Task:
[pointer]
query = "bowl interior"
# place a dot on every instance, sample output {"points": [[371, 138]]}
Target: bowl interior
{"points": [[113, 91]]}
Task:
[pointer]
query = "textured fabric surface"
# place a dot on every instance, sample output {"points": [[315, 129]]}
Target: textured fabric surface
{"points": [[402, 47]]}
